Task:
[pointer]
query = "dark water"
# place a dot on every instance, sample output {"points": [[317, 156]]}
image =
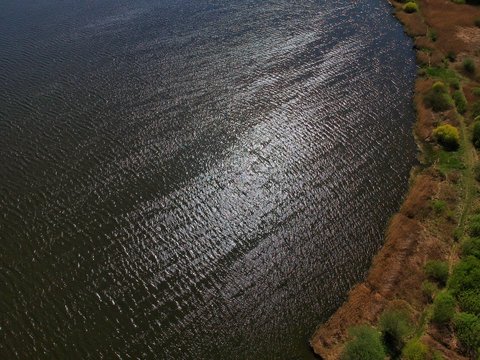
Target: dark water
{"points": [[193, 179]]}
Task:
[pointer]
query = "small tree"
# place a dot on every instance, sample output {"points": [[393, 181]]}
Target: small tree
{"points": [[395, 326], [410, 7], [443, 308], [447, 136], [365, 344], [438, 97], [467, 328]]}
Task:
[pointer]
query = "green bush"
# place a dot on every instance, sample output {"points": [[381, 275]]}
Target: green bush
{"points": [[469, 66], [476, 110], [447, 136], [438, 97], [415, 350], [476, 91], [467, 329], [470, 301], [437, 270], [474, 226], [410, 7], [429, 289], [439, 87], [471, 247], [443, 308], [439, 206], [465, 275], [476, 134], [455, 83], [365, 344], [476, 171], [432, 34], [460, 101], [395, 326]]}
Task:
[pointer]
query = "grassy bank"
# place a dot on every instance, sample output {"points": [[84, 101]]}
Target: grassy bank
{"points": [[421, 298]]}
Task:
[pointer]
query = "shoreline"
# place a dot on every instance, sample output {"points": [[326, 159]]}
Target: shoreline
{"points": [[417, 233]]}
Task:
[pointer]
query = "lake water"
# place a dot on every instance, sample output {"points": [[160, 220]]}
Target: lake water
{"points": [[193, 179]]}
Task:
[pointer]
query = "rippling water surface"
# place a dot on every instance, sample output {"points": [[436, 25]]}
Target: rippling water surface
{"points": [[193, 178]]}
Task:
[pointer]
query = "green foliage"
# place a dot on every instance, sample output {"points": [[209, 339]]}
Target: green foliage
{"points": [[471, 247], [439, 87], [455, 83], [476, 134], [438, 97], [432, 34], [415, 350], [395, 326], [476, 110], [467, 329], [443, 308], [460, 2], [450, 161], [476, 171], [439, 206], [475, 225], [465, 275], [476, 91], [437, 270], [447, 136], [469, 66], [460, 101], [470, 301], [429, 289], [365, 344], [410, 7]]}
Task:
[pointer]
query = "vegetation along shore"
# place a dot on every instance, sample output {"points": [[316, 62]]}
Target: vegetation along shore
{"points": [[421, 297]]}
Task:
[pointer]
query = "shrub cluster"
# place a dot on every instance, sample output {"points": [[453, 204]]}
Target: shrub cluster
{"points": [[447, 136], [476, 134], [470, 301], [474, 227], [438, 97], [467, 329], [465, 276], [471, 247], [460, 101]]}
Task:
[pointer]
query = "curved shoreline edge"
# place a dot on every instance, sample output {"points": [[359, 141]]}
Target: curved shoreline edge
{"points": [[418, 233]]}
